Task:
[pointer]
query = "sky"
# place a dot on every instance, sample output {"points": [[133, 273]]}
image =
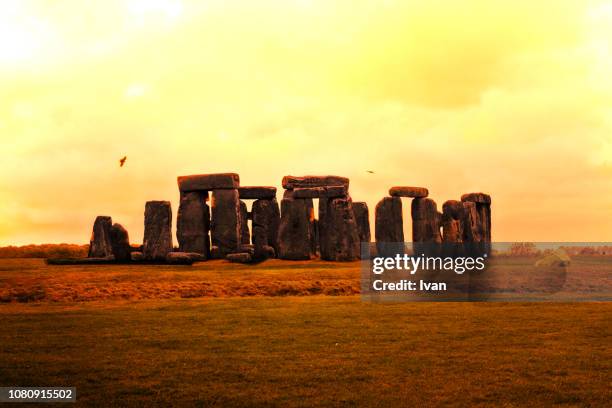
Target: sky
{"points": [[509, 98]]}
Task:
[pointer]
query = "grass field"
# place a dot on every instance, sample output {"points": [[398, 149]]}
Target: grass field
{"points": [[235, 348]]}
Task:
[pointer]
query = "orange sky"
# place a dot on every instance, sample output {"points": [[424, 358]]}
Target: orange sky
{"points": [[511, 99]]}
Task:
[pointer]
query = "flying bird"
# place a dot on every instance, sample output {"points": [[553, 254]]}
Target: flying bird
{"points": [[122, 161], [370, 171]]}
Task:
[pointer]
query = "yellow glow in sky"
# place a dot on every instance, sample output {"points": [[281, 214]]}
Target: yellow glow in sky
{"points": [[509, 98]]}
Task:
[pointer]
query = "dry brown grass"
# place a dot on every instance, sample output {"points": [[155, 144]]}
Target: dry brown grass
{"points": [[24, 280], [311, 351]]}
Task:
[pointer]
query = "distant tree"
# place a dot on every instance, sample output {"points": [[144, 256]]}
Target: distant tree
{"points": [[45, 251], [523, 249]]}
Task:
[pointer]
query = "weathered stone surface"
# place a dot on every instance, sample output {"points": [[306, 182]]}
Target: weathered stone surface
{"points": [[292, 182], [362, 217], [264, 252], [100, 245], [480, 198], [472, 232], [452, 221], [425, 221], [226, 225], [250, 248], [405, 191], [256, 192], [239, 257], [295, 230], [180, 258], [136, 256], [388, 225], [193, 223], [319, 192], [208, 182], [338, 233], [265, 224], [482, 220], [157, 233], [120, 242], [244, 224]]}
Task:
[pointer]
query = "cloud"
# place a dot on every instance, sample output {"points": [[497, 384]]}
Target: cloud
{"points": [[509, 98]]}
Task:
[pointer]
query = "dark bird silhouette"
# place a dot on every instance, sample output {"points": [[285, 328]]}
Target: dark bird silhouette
{"points": [[122, 161], [370, 171]]}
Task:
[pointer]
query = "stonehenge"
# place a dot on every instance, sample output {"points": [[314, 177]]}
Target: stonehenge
{"points": [[295, 232], [109, 241], [389, 230], [214, 222], [193, 223], [225, 222], [334, 235], [100, 243], [120, 243], [362, 217], [157, 242], [338, 232]]}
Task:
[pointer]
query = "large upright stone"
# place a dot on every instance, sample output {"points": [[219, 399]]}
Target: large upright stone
{"points": [[338, 233], [362, 217], [120, 242], [452, 221], [482, 203], [193, 223], [226, 225], [480, 198], [245, 235], [425, 221], [208, 182], [256, 192], [266, 220], [472, 231], [100, 245], [295, 230], [157, 233], [389, 229], [292, 182]]}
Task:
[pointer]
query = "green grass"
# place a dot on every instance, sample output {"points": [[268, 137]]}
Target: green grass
{"points": [[316, 350]]}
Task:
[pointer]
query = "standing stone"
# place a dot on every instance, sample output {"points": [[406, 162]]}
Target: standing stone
{"points": [[120, 242], [244, 224], [452, 221], [482, 204], [425, 221], [294, 234], [226, 225], [193, 223], [266, 220], [471, 225], [362, 216], [157, 233], [389, 229], [100, 245], [338, 232]]}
